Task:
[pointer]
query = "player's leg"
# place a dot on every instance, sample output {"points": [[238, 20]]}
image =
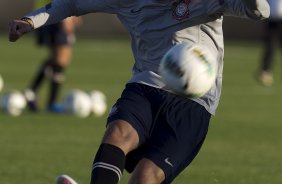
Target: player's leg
{"points": [[61, 54], [109, 163], [147, 172], [265, 73], [43, 36], [128, 121], [31, 92], [176, 139], [271, 44], [44, 68]]}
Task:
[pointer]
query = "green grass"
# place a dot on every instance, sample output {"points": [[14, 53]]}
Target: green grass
{"points": [[243, 145]]}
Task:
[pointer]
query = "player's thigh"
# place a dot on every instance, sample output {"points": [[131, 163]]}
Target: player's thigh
{"points": [[121, 134], [178, 136], [135, 108], [63, 54], [147, 172]]}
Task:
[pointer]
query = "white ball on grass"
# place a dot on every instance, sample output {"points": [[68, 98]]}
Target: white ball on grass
{"points": [[78, 103], [13, 103], [1, 83], [98, 103]]}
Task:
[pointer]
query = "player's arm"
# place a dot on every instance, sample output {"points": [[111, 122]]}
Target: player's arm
{"points": [[57, 11], [49, 14], [254, 9]]}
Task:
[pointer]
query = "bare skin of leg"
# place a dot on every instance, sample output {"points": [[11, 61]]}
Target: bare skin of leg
{"points": [[121, 134], [62, 54], [147, 172]]}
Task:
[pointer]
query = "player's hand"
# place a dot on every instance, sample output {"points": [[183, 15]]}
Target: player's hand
{"points": [[17, 28]]}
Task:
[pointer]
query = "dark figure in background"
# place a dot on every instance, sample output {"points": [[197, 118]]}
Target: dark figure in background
{"points": [[58, 38], [272, 39]]}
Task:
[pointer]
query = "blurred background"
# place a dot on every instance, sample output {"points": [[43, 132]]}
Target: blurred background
{"points": [[244, 142]]}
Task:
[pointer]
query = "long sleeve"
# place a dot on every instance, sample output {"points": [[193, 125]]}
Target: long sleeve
{"points": [[61, 9], [52, 13]]}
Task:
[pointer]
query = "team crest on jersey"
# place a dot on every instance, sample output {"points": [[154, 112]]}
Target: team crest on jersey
{"points": [[181, 9]]}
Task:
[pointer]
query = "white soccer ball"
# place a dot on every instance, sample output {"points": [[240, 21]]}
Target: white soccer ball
{"points": [[13, 103], [275, 9], [98, 103], [78, 103], [1, 83], [189, 69]]}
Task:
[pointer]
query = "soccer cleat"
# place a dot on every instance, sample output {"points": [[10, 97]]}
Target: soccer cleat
{"points": [[65, 179], [31, 100], [56, 108], [32, 106], [265, 78]]}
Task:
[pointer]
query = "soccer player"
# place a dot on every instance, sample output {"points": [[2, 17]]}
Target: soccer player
{"points": [[272, 38], [58, 38], [151, 132]]}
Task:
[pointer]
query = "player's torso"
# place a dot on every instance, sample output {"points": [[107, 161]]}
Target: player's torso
{"points": [[156, 25], [142, 16]]}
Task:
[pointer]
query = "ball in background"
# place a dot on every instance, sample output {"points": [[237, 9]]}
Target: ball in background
{"points": [[1, 83], [98, 103], [189, 69], [77, 102], [13, 103]]}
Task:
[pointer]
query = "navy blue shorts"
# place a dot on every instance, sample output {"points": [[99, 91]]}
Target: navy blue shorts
{"points": [[52, 35], [171, 128]]}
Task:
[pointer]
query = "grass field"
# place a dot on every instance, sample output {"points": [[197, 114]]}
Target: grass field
{"points": [[243, 145]]}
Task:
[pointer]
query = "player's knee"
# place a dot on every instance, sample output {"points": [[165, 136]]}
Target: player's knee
{"points": [[120, 133], [63, 60], [146, 172]]}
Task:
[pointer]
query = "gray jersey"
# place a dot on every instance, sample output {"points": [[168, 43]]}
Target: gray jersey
{"points": [[156, 25]]}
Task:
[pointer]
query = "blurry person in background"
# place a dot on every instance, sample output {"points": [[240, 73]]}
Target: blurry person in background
{"points": [[272, 39], [58, 38]]}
